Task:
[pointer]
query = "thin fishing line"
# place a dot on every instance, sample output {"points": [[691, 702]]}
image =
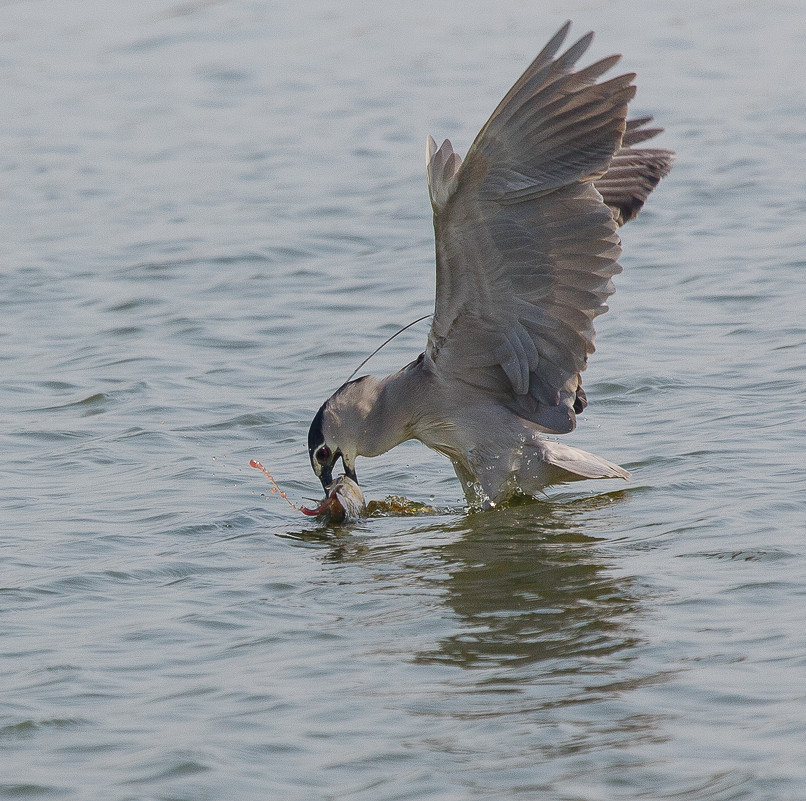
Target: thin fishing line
{"points": [[383, 344]]}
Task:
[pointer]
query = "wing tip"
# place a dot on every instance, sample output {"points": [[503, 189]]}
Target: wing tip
{"points": [[442, 165], [430, 149]]}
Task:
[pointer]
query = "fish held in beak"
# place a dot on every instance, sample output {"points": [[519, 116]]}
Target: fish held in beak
{"points": [[344, 502]]}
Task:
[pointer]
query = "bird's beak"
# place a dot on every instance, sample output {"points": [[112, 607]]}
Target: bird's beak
{"points": [[349, 470], [325, 471], [326, 475]]}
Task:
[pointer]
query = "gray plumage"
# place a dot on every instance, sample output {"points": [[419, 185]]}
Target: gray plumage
{"points": [[526, 249]]}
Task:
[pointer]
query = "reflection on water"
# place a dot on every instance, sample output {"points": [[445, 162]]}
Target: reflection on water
{"points": [[528, 587], [519, 625], [525, 584]]}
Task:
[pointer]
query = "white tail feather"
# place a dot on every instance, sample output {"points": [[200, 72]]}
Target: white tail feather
{"points": [[581, 463]]}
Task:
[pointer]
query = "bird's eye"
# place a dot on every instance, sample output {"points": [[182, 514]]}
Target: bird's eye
{"points": [[323, 455]]}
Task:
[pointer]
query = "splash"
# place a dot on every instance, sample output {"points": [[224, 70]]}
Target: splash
{"points": [[344, 500], [275, 487]]}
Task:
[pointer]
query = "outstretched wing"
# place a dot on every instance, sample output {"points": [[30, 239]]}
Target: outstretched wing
{"points": [[525, 246]]}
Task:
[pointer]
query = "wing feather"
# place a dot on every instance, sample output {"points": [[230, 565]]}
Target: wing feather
{"points": [[526, 246], [634, 172]]}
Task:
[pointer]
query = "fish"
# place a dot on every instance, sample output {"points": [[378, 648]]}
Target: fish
{"points": [[344, 502]]}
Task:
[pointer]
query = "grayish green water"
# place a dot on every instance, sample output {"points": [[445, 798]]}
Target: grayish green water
{"points": [[209, 213]]}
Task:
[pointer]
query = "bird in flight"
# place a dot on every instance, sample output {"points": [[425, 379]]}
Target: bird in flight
{"points": [[527, 245]]}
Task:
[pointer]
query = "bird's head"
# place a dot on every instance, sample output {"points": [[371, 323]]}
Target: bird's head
{"points": [[339, 429]]}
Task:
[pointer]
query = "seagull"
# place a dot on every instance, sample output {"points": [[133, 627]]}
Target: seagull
{"points": [[527, 245]]}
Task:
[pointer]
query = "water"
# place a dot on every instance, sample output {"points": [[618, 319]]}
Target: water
{"points": [[210, 212]]}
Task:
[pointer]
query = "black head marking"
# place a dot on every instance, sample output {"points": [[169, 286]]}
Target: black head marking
{"points": [[315, 434]]}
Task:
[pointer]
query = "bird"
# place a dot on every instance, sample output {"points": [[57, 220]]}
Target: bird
{"points": [[527, 244]]}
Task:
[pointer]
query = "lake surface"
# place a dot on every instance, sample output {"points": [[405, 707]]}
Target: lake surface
{"points": [[210, 212]]}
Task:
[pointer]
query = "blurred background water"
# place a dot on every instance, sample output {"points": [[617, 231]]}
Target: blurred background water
{"points": [[210, 212]]}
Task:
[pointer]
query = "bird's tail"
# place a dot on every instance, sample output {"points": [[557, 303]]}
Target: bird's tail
{"points": [[580, 464]]}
